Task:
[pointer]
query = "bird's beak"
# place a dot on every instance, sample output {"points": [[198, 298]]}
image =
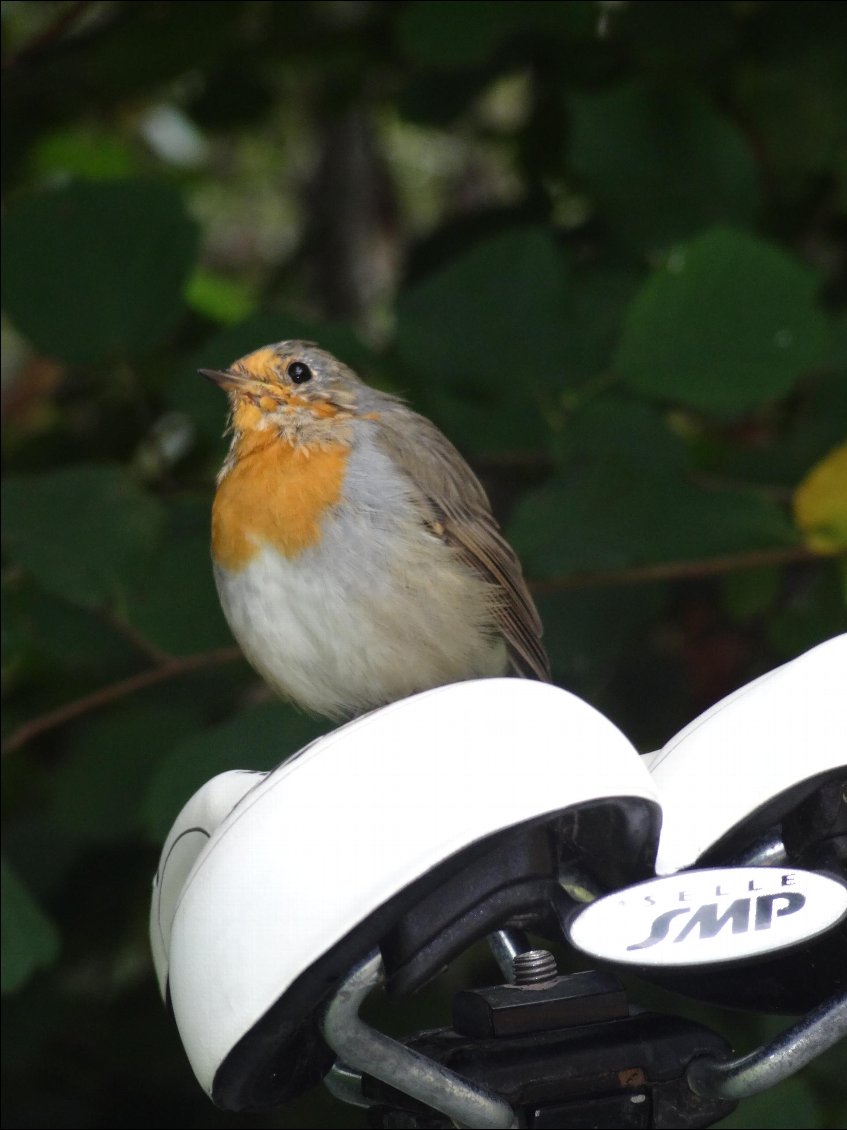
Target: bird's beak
{"points": [[242, 384], [224, 380]]}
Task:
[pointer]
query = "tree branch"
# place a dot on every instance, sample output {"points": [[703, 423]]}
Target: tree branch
{"points": [[64, 21], [170, 669], [675, 570], [131, 634]]}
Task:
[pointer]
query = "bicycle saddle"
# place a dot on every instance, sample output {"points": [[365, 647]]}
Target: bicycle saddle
{"points": [[417, 828]]}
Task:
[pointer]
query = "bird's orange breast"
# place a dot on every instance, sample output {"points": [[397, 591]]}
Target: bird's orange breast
{"points": [[274, 494]]}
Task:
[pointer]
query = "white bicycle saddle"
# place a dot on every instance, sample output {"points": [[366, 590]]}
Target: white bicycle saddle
{"points": [[419, 828], [761, 778], [750, 759]]}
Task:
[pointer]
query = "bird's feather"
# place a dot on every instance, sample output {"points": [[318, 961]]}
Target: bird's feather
{"points": [[460, 514]]}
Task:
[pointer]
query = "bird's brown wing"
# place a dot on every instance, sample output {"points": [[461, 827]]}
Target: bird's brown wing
{"points": [[460, 513]]}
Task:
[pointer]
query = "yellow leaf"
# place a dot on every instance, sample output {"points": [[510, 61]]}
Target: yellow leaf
{"points": [[820, 504]]}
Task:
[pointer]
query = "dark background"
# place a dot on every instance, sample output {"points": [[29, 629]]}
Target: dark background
{"points": [[601, 245]]}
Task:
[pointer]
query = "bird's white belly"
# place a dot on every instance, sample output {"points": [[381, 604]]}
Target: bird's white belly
{"points": [[362, 618]]}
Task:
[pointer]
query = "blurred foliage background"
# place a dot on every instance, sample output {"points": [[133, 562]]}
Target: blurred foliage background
{"points": [[602, 245]]}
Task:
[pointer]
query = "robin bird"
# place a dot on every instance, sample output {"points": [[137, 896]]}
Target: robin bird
{"points": [[355, 552]]}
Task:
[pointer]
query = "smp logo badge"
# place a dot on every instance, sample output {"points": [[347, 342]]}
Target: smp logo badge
{"points": [[700, 917]]}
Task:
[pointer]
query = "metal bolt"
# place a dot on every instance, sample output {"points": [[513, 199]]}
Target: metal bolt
{"points": [[535, 967]]}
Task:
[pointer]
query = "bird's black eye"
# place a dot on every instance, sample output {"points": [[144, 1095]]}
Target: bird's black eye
{"points": [[299, 372]]}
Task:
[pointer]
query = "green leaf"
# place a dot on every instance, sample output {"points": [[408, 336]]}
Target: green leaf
{"points": [[493, 314], [97, 792], [623, 499], [257, 738], [815, 424], [45, 631], [751, 593], [83, 152], [817, 611], [220, 297], [689, 42], [727, 323], [454, 35], [586, 631], [798, 99], [85, 533], [626, 434], [175, 604], [30, 940], [487, 333], [661, 164], [600, 294], [92, 270]]}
